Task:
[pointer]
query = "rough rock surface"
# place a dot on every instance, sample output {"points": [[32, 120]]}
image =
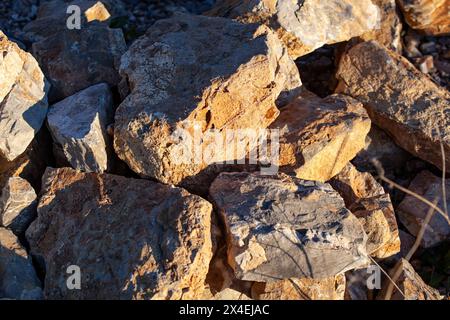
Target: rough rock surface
{"points": [[332, 288], [305, 25], [132, 239], [18, 279], [366, 198], [59, 53], [230, 294], [430, 16], [318, 137], [23, 99], [412, 212], [194, 74], [280, 227], [78, 125], [17, 205], [399, 99]]}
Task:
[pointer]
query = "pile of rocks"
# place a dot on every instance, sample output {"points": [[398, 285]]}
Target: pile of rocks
{"points": [[96, 140]]}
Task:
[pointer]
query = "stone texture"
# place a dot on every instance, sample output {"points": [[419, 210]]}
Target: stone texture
{"points": [[412, 212], [23, 99], [429, 16], [280, 227], [366, 198], [17, 205], [411, 285], [305, 25], [132, 239], [193, 74], [78, 125], [399, 99], [59, 53], [318, 137], [332, 288], [230, 294], [18, 279]]}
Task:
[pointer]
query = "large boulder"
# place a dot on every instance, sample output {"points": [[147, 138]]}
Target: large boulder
{"points": [[305, 25], [399, 99], [131, 239], [190, 75], [79, 128], [280, 227], [429, 16], [23, 99]]}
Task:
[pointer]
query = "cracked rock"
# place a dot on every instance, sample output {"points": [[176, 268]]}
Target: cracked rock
{"points": [[429, 16]]}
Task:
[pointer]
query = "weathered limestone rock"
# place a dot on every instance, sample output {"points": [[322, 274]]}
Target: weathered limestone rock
{"points": [[72, 63], [190, 75], [78, 125], [305, 25], [18, 278], [318, 137], [230, 294], [412, 211], [389, 32], [17, 205], [430, 16], [399, 99], [132, 239], [23, 99], [280, 227], [332, 288], [411, 285], [366, 198]]}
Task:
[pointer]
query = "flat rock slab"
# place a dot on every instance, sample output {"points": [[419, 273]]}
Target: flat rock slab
{"points": [[399, 99], [23, 99], [318, 137], [279, 227], [305, 25], [429, 16], [79, 127], [190, 75], [131, 239]]}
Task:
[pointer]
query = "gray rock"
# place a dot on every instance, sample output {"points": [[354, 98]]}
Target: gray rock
{"points": [[79, 126], [281, 227], [17, 205], [18, 278]]}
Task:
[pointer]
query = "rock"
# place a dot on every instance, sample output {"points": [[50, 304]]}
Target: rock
{"points": [[413, 211], [332, 288], [17, 205], [366, 198], [318, 137], [79, 126], [426, 64], [389, 32], [131, 239], [281, 227], [18, 278], [230, 294], [23, 99], [239, 71], [59, 53], [429, 16], [399, 99], [305, 25], [356, 285], [411, 285]]}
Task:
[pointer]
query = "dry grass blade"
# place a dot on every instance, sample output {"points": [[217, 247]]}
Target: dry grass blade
{"points": [[444, 193], [391, 281]]}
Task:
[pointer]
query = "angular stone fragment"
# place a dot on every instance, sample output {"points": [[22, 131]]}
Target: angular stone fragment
{"points": [[78, 125], [280, 227], [399, 99], [17, 205], [305, 25], [230, 294], [318, 137], [132, 239], [18, 278], [412, 211], [23, 99], [429, 16], [332, 288], [190, 75], [411, 284], [74, 60]]}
